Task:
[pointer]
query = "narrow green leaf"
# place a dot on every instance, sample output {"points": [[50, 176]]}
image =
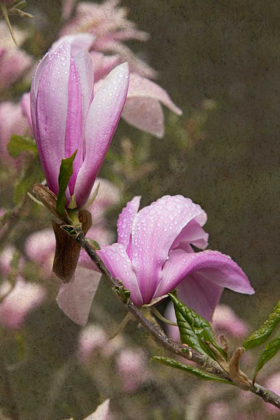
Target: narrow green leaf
{"points": [[263, 333], [270, 350], [65, 173], [19, 144], [190, 369], [27, 179], [194, 329]]}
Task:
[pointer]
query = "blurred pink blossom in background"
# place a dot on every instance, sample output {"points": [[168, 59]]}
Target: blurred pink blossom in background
{"points": [[92, 339], [131, 366], [109, 25], [12, 121], [18, 302]]}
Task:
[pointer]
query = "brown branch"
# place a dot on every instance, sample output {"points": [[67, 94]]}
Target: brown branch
{"points": [[184, 351]]}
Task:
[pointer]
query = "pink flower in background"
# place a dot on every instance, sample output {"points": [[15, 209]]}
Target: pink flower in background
{"points": [[226, 322], [131, 365], [13, 63], [219, 410], [65, 117], [101, 413], [110, 27], [12, 121], [154, 256], [92, 339], [272, 383], [19, 302]]}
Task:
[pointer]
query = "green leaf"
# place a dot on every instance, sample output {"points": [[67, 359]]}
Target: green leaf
{"points": [[195, 331], [19, 144], [65, 173], [190, 369], [269, 351], [263, 333], [27, 179], [94, 243]]}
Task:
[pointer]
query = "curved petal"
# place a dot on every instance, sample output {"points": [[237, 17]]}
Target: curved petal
{"points": [[26, 108], [78, 42], [75, 298], [34, 90], [51, 108], [103, 64], [125, 221], [85, 67], [102, 121], [74, 123], [118, 263], [145, 114], [154, 230], [193, 234], [201, 277], [139, 86]]}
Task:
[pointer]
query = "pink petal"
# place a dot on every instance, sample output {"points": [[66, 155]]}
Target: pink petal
{"points": [[103, 118], [84, 64], [125, 221], [118, 263], [200, 278], [139, 86], [78, 42], [154, 230], [146, 114], [52, 104], [26, 108], [193, 234], [75, 298], [103, 64], [74, 123]]}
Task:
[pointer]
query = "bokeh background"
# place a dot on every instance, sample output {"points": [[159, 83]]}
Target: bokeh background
{"points": [[220, 62]]}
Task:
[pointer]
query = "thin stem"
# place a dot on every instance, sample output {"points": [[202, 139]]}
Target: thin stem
{"points": [[180, 350], [161, 318]]}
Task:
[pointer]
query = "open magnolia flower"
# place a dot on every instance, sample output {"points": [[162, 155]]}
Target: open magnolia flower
{"points": [[66, 117], [154, 256]]}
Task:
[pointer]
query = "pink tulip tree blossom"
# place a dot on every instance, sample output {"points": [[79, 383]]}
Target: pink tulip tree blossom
{"points": [[154, 256], [66, 117], [143, 106], [110, 27]]}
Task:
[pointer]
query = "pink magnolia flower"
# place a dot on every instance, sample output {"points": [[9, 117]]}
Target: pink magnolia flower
{"points": [[101, 413], [12, 121], [154, 256], [110, 27], [65, 117], [142, 108], [131, 365], [19, 302]]}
